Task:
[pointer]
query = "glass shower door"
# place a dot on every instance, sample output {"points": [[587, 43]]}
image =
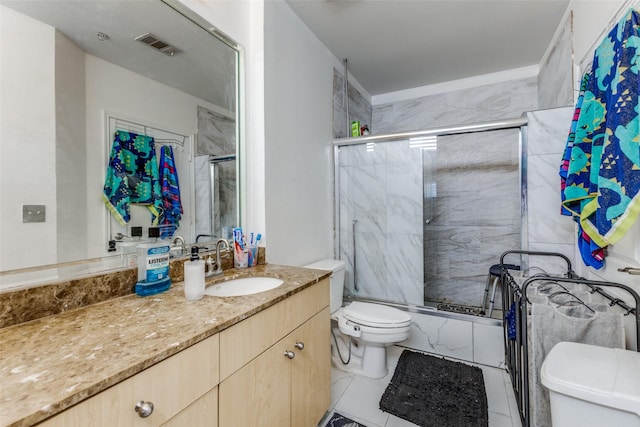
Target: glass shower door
{"points": [[476, 215], [381, 210], [422, 220]]}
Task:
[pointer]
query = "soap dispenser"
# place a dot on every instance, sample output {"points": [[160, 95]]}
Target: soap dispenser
{"points": [[194, 276]]}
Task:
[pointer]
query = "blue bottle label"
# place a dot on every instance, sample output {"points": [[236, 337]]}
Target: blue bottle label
{"points": [[157, 263]]}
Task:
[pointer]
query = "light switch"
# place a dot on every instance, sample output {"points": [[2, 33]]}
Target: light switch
{"points": [[33, 213]]}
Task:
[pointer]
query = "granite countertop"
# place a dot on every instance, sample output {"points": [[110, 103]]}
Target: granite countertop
{"points": [[52, 363]]}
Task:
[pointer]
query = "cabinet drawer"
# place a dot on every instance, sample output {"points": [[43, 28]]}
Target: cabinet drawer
{"points": [[170, 385], [247, 339]]}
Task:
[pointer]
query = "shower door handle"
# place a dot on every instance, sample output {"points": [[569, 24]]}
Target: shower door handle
{"points": [[355, 281]]}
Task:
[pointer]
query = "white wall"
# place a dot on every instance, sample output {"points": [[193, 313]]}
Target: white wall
{"points": [[27, 138], [298, 130], [155, 104], [590, 18]]}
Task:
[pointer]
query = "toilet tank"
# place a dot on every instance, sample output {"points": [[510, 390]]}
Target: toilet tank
{"points": [[588, 384], [337, 268]]}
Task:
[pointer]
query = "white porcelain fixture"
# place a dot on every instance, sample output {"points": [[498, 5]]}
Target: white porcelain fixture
{"points": [[364, 330], [592, 386], [244, 286]]}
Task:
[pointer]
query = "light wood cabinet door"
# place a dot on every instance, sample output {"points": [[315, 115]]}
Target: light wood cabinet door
{"points": [[201, 413], [311, 371], [284, 386], [258, 394]]}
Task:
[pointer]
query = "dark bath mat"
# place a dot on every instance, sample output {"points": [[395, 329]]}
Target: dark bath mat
{"points": [[338, 420], [434, 392]]}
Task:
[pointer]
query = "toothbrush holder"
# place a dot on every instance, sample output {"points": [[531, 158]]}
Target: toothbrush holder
{"points": [[241, 257], [253, 255]]}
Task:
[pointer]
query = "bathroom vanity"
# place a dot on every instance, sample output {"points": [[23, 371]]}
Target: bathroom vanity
{"points": [[260, 359]]}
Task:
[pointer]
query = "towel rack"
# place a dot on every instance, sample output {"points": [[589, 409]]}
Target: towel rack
{"points": [[514, 303], [153, 131], [169, 141]]}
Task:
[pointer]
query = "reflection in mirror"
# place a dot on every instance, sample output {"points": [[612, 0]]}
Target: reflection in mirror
{"points": [[74, 76]]}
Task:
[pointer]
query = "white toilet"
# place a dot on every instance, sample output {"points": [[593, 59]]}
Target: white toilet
{"points": [[592, 386], [364, 330]]}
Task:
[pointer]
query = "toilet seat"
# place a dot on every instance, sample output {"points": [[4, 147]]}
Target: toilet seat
{"points": [[375, 315]]}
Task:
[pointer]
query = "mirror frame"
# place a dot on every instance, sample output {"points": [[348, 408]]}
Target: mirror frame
{"points": [[241, 176]]}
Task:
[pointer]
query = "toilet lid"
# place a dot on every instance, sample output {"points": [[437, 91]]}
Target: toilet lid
{"points": [[376, 315]]}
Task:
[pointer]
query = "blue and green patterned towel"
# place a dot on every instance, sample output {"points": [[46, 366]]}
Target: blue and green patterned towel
{"points": [[170, 193], [592, 254], [603, 179], [132, 177]]}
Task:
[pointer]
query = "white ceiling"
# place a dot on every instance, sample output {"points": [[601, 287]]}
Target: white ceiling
{"points": [[393, 45], [203, 66]]}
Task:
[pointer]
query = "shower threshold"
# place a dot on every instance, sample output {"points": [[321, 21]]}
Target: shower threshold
{"points": [[459, 308], [434, 308]]}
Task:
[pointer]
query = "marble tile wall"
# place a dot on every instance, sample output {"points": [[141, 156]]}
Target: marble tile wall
{"points": [[547, 229], [359, 107], [216, 133], [381, 188], [483, 103], [555, 78], [216, 137], [457, 338]]}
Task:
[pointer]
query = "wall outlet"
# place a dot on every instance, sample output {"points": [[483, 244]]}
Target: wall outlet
{"points": [[33, 213]]}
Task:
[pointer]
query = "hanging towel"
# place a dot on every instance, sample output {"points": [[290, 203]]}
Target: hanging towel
{"points": [[170, 193], [603, 181], [132, 177], [548, 325], [566, 158], [572, 196]]}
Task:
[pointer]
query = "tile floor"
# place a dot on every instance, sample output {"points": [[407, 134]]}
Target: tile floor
{"points": [[357, 397]]}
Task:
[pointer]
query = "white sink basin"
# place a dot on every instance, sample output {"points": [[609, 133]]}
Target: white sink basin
{"points": [[246, 286]]}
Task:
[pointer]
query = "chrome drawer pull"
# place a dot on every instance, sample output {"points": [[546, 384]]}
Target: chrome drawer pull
{"points": [[144, 409]]}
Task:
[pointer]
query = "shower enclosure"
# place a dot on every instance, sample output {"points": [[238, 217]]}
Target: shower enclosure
{"points": [[216, 201], [423, 215]]}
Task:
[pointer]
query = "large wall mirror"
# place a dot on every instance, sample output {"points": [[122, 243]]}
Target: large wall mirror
{"points": [[80, 78]]}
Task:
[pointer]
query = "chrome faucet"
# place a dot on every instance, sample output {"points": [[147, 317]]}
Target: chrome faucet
{"points": [[204, 235], [218, 264], [183, 244]]}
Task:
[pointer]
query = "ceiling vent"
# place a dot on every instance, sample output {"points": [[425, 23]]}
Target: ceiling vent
{"points": [[151, 40]]}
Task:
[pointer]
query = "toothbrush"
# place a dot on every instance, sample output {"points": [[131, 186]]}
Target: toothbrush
{"points": [[258, 237]]}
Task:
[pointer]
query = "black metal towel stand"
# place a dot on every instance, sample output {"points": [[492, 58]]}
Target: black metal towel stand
{"points": [[514, 301]]}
